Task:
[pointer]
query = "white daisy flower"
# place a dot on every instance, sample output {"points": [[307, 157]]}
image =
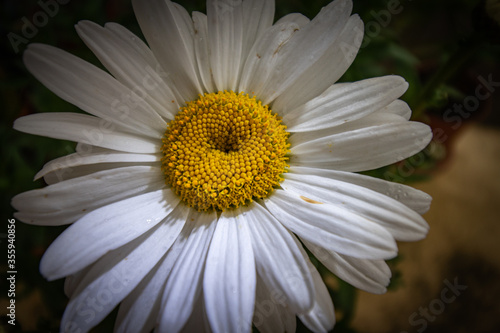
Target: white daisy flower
{"points": [[208, 160]]}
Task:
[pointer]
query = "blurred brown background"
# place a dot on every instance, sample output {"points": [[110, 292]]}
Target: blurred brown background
{"points": [[462, 247]]}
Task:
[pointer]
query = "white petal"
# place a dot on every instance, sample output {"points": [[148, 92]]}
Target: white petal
{"points": [[296, 18], [278, 259], [225, 33], [402, 222], [371, 120], [139, 311], [229, 280], [263, 57], [344, 102], [322, 317], [202, 51], [258, 16], [105, 229], [87, 129], [326, 225], [131, 62], [306, 47], [326, 70], [84, 294], [185, 281], [66, 163], [84, 148], [169, 32], [365, 144], [413, 198], [65, 202], [87, 189], [86, 170], [271, 313], [399, 108], [369, 275], [157, 81], [113, 277], [92, 90]]}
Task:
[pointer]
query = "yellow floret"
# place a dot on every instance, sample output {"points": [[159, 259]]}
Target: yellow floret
{"points": [[224, 150]]}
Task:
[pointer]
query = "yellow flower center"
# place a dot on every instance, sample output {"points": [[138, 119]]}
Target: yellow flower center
{"points": [[223, 150]]}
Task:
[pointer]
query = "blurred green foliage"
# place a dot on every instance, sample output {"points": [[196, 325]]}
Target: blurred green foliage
{"points": [[440, 47]]}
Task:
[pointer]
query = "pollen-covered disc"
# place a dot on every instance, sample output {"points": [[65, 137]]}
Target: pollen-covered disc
{"points": [[224, 150]]}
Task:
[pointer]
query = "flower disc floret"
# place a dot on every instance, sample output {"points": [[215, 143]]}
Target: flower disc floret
{"points": [[224, 150]]}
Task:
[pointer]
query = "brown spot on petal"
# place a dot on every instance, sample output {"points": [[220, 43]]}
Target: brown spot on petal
{"points": [[311, 201]]}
